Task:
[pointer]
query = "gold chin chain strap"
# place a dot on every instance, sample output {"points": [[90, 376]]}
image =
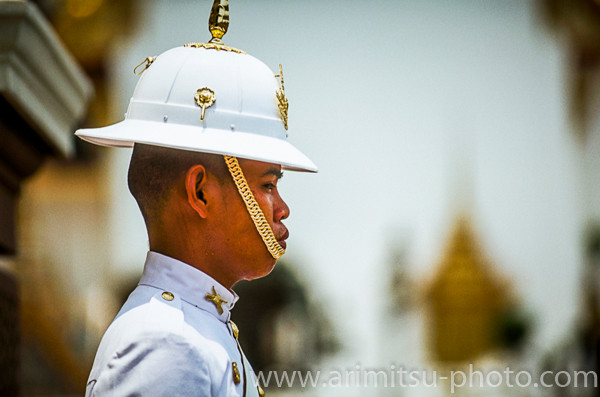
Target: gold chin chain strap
{"points": [[261, 223]]}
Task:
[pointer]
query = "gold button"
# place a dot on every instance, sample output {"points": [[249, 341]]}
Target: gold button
{"points": [[168, 296], [261, 392], [236, 373], [234, 328]]}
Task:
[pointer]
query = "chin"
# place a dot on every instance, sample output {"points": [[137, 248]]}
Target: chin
{"points": [[264, 270]]}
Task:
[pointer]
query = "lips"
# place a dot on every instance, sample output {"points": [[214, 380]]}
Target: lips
{"points": [[282, 238]]}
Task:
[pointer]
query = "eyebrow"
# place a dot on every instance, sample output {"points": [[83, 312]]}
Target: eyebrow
{"points": [[273, 171]]}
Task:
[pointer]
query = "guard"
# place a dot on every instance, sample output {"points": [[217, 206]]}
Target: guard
{"points": [[208, 124]]}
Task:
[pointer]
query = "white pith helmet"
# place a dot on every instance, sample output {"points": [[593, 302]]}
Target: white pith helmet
{"points": [[208, 98]]}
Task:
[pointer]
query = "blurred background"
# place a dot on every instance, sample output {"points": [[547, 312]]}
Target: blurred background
{"points": [[455, 218]]}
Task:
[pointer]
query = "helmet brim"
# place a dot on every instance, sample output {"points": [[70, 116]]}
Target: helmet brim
{"points": [[184, 137]]}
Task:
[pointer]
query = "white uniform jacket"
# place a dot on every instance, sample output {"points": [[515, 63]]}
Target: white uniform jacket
{"points": [[170, 340]]}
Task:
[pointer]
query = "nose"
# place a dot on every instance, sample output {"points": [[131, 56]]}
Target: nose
{"points": [[281, 211]]}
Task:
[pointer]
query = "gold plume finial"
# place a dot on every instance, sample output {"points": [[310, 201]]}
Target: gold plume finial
{"points": [[218, 22]]}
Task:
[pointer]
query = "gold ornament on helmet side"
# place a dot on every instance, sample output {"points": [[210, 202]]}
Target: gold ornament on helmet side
{"points": [[145, 63], [282, 99], [205, 98]]}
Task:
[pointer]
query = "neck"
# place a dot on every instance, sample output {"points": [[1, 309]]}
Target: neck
{"points": [[188, 247]]}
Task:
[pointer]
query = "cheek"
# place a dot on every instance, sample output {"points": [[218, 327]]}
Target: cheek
{"points": [[233, 210], [238, 222], [266, 203]]}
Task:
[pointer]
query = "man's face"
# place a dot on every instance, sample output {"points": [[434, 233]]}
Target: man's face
{"points": [[243, 248]]}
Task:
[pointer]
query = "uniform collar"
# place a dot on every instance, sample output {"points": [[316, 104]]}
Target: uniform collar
{"points": [[192, 285]]}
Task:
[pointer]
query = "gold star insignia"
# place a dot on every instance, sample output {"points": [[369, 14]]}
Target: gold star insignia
{"points": [[216, 299]]}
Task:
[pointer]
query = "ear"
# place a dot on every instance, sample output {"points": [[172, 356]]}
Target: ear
{"points": [[195, 181]]}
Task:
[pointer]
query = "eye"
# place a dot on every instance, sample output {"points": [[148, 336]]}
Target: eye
{"points": [[270, 186]]}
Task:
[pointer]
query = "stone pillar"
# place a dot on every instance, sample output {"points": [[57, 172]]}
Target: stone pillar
{"points": [[43, 97]]}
